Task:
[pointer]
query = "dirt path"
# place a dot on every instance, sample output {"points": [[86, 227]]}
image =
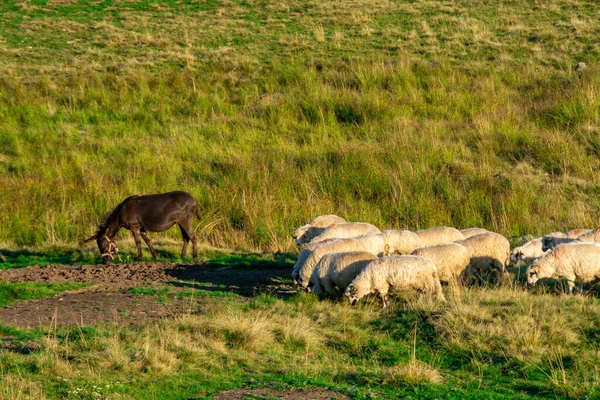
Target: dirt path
{"points": [[110, 297]]}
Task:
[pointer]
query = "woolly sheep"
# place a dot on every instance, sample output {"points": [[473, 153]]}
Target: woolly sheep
{"points": [[467, 233], [338, 269], [390, 274], [591, 236], [553, 239], [576, 233], [572, 261], [442, 234], [528, 252], [488, 251], [315, 226], [371, 243], [346, 230], [450, 259], [401, 242], [305, 253]]}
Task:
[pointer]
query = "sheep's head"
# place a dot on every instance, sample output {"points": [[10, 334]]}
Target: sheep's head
{"points": [[354, 294], [532, 275], [541, 268], [516, 256], [300, 234], [547, 243]]}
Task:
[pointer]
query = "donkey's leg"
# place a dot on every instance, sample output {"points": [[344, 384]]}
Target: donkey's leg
{"points": [[138, 241], [186, 239], [148, 243]]}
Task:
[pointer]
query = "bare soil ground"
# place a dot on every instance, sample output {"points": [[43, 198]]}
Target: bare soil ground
{"points": [[109, 298]]}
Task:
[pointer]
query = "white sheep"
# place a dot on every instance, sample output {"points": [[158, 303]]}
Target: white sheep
{"points": [[305, 233], [442, 234], [401, 241], [451, 259], [391, 274], [345, 230], [488, 251], [590, 236], [553, 239], [576, 233], [528, 252], [572, 261], [338, 270], [468, 232], [305, 253], [370, 243]]}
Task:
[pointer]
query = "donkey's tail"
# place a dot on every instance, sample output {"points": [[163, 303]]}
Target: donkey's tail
{"points": [[198, 210]]}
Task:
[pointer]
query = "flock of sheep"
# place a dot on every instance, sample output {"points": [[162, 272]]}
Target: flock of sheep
{"points": [[357, 259]]}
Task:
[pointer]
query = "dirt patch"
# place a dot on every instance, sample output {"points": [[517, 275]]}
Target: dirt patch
{"points": [[90, 307], [268, 393], [109, 299]]}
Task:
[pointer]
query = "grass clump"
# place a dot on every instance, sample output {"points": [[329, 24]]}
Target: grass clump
{"points": [[11, 292]]}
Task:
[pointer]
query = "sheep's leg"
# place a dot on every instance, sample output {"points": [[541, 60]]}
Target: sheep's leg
{"points": [[500, 268], [570, 285], [478, 275], [385, 301]]}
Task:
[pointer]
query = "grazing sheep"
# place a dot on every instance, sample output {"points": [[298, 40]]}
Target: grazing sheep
{"points": [[305, 233], [488, 251], [528, 252], [572, 261], [467, 233], [346, 230], [338, 269], [390, 274], [442, 234], [575, 233], [553, 239], [401, 242], [590, 236], [370, 243], [305, 253], [451, 259]]}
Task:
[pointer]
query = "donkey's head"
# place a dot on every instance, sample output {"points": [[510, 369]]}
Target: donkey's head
{"points": [[106, 246]]}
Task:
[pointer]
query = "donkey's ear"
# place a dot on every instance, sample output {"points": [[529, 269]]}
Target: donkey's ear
{"points": [[90, 238]]}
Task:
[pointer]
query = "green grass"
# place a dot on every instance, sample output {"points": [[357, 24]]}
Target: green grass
{"points": [[402, 114], [501, 343], [11, 292]]}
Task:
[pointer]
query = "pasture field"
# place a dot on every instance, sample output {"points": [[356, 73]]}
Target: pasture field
{"points": [[234, 326], [405, 114]]}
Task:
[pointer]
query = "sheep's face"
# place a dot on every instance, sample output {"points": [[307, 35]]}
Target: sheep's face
{"points": [[353, 294], [532, 275], [516, 257], [546, 243], [300, 235]]}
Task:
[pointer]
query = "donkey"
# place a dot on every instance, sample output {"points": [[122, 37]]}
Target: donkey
{"points": [[148, 213]]}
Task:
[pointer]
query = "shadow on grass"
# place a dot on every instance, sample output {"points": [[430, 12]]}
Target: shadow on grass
{"points": [[244, 274]]}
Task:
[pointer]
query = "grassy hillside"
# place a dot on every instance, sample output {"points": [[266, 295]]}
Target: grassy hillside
{"points": [[404, 114]]}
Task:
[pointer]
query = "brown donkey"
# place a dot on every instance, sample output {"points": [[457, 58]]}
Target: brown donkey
{"points": [[148, 213]]}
